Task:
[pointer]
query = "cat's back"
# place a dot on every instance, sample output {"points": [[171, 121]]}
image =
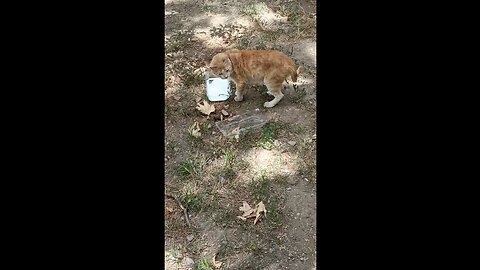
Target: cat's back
{"points": [[264, 55], [265, 59]]}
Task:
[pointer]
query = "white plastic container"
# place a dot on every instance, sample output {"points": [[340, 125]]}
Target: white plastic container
{"points": [[217, 89]]}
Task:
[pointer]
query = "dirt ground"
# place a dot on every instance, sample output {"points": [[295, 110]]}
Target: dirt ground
{"points": [[212, 175]]}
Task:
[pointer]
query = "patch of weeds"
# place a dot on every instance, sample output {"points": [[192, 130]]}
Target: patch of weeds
{"points": [[299, 129], [262, 190], [178, 41], [188, 167], [302, 24], [229, 33], [249, 138], [269, 133], [173, 255], [241, 165], [300, 92], [228, 158], [209, 9], [193, 200], [274, 215], [260, 187], [203, 264]]}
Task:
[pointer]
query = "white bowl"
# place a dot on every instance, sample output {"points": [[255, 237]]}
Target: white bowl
{"points": [[217, 89]]}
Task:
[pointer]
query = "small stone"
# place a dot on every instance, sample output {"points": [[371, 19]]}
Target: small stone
{"points": [[190, 237], [292, 143], [209, 126], [188, 262], [213, 132], [289, 188], [224, 112]]}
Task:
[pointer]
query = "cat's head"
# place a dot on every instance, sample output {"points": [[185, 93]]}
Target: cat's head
{"points": [[220, 66]]}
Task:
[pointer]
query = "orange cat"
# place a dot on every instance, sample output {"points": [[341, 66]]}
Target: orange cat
{"points": [[268, 67]]}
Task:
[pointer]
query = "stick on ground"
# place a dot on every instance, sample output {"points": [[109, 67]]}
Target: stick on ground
{"points": [[181, 206]]}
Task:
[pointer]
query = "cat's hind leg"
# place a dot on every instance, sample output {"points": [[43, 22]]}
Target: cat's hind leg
{"points": [[274, 89]]}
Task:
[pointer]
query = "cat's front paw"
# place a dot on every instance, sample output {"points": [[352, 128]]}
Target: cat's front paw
{"points": [[268, 104], [238, 98]]}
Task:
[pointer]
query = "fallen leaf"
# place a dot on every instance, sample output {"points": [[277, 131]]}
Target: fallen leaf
{"points": [[224, 112], [206, 108], [215, 263], [194, 130], [260, 208], [246, 209]]}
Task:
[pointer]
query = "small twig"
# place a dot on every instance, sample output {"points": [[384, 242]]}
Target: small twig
{"points": [[181, 206]]}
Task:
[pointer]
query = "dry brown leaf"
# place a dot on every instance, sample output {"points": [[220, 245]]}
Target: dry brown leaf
{"points": [[206, 108], [195, 130], [259, 209], [215, 263], [245, 207]]}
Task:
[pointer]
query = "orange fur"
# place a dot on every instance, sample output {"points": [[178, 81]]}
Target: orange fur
{"points": [[268, 67]]}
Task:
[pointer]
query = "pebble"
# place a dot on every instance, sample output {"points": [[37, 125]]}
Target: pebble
{"points": [[188, 262], [190, 237], [292, 143], [222, 179]]}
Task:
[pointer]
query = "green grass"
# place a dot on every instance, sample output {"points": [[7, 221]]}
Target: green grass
{"points": [[300, 92], [269, 133], [259, 187], [262, 189], [188, 167], [193, 199], [204, 264], [178, 40], [228, 158]]}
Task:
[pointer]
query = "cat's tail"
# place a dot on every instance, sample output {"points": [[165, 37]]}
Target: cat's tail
{"points": [[294, 73]]}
